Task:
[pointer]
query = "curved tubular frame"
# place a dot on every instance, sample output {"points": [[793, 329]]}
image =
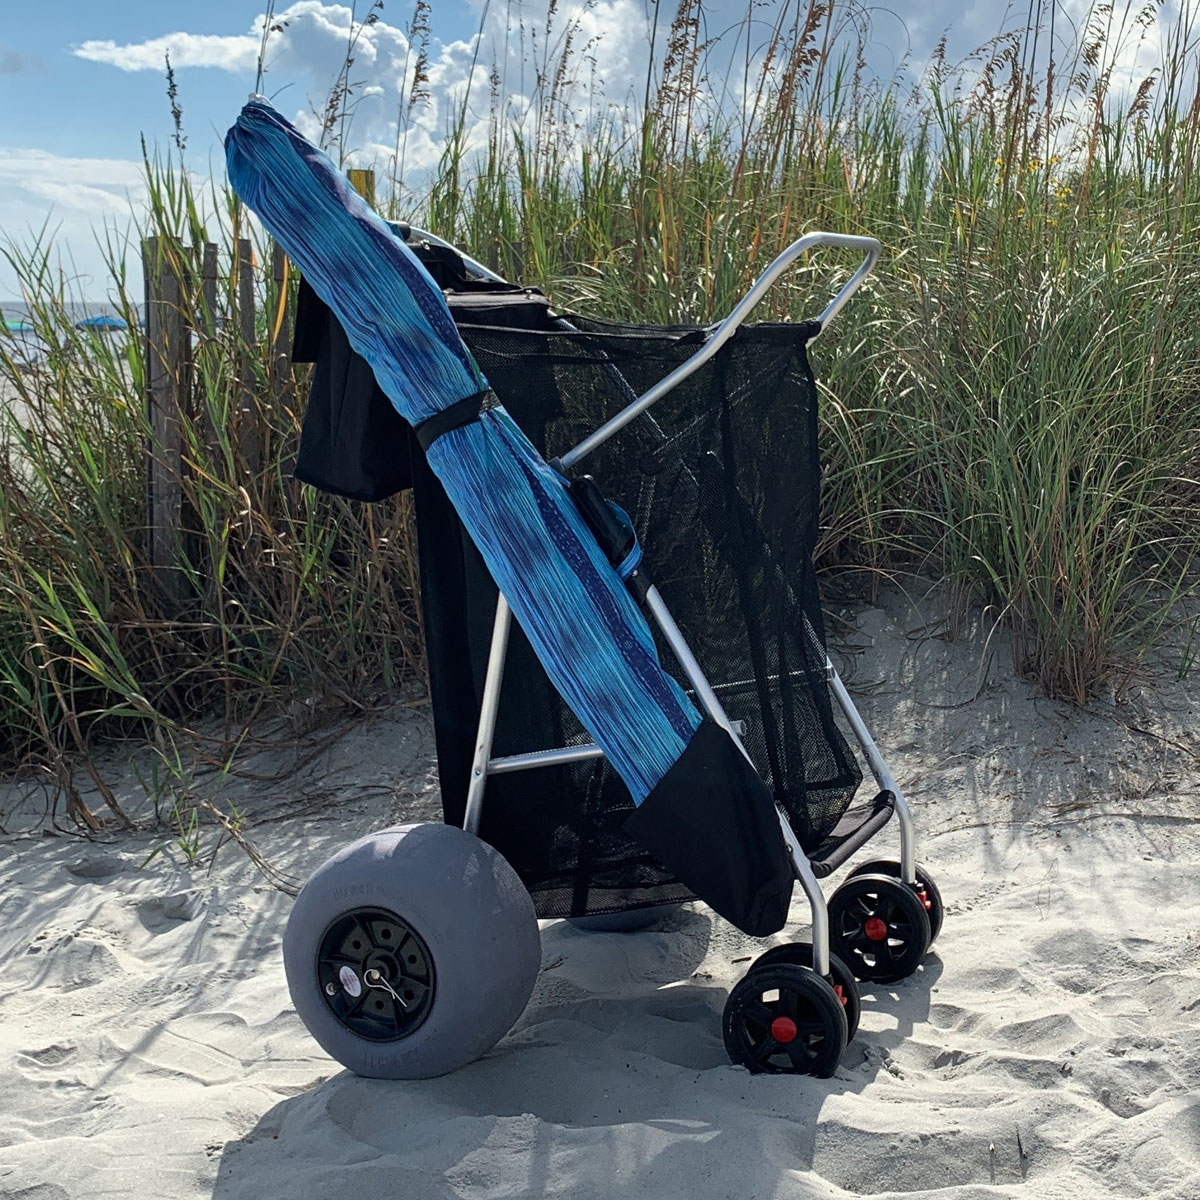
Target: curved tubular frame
{"points": [[869, 247], [470, 263]]}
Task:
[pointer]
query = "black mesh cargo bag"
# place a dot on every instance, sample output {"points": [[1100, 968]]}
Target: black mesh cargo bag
{"points": [[721, 478]]}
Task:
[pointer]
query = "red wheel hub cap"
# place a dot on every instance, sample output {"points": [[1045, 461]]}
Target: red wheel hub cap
{"points": [[875, 928], [783, 1030]]}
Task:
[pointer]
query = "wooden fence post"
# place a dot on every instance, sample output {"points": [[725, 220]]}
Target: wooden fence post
{"points": [[247, 410], [208, 286], [167, 376], [363, 182], [281, 362], [207, 325]]}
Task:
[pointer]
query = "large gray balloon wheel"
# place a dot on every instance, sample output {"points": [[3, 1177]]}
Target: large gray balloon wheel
{"points": [[411, 952]]}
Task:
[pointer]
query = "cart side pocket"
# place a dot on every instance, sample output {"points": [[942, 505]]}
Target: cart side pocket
{"points": [[711, 820]]}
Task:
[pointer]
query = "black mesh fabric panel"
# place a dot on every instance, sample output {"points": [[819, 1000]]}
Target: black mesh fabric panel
{"points": [[721, 478]]}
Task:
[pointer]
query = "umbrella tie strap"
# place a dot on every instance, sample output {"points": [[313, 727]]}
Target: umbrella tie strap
{"points": [[631, 562], [462, 412]]}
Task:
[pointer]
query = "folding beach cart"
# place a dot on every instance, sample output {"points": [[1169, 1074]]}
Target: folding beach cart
{"points": [[706, 440], [668, 595]]}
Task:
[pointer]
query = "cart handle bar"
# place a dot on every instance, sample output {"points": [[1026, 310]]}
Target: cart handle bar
{"points": [[869, 246], [423, 235]]}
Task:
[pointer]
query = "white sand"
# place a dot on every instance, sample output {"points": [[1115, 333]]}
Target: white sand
{"points": [[1049, 1048]]}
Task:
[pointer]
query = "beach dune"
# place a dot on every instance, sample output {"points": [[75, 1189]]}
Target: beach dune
{"points": [[1048, 1048]]}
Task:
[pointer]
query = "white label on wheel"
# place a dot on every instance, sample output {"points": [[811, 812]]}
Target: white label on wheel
{"points": [[350, 983]]}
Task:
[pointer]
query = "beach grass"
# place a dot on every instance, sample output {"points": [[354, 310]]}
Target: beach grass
{"points": [[1012, 403], [289, 599]]}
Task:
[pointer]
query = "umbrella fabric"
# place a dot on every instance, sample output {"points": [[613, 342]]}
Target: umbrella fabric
{"points": [[102, 322], [581, 620], [18, 327]]}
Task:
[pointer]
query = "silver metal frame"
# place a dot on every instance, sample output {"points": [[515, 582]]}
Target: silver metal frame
{"points": [[485, 765], [476, 268]]}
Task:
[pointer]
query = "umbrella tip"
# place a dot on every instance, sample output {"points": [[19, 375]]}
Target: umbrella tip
{"points": [[257, 98]]}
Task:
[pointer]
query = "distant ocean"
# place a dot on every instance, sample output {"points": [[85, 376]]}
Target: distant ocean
{"points": [[15, 310], [28, 349]]}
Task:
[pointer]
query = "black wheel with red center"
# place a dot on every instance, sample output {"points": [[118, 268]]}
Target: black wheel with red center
{"points": [[879, 927], [845, 986], [926, 889], [784, 1019]]}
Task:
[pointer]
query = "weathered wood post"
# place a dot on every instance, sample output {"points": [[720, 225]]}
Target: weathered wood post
{"points": [[206, 325], [167, 358], [281, 363], [208, 286], [363, 182], [245, 406]]}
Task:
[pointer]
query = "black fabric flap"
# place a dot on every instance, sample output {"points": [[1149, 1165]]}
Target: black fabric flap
{"points": [[508, 307], [712, 822], [353, 441]]}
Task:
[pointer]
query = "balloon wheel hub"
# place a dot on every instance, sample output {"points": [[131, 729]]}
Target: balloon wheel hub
{"points": [[376, 974]]}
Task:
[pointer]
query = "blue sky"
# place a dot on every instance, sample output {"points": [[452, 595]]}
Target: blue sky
{"points": [[80, 83], [70, 125], [53, 99]]}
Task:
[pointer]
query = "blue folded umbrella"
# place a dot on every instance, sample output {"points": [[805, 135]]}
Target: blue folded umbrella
{"points": [[581, 620]]}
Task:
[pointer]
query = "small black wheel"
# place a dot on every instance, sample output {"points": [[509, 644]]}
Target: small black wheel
{"points": [[784, 1019], [879, 927], [927, 889], [800, 954]]}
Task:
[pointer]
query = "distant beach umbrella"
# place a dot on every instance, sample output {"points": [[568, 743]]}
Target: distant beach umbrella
{"points": [[18, 327], [102, 324]]}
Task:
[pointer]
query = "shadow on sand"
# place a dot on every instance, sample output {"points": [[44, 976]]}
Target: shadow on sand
{"points": [[591, 1096]]}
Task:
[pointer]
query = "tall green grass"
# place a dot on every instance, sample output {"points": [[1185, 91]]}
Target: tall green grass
{"points": [[1012, 402], [287, 594]]}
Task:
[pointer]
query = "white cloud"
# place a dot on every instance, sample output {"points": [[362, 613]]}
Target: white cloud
{"points": [[606, 41], [186, 50], [83, 197], [24, 167], [311, 39], [74, 198]]}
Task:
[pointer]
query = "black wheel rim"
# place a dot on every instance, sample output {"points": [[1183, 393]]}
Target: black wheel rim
{"points": [[868, 912], [758, 1022], [845, 985], [376, 974], [926, 890]]}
